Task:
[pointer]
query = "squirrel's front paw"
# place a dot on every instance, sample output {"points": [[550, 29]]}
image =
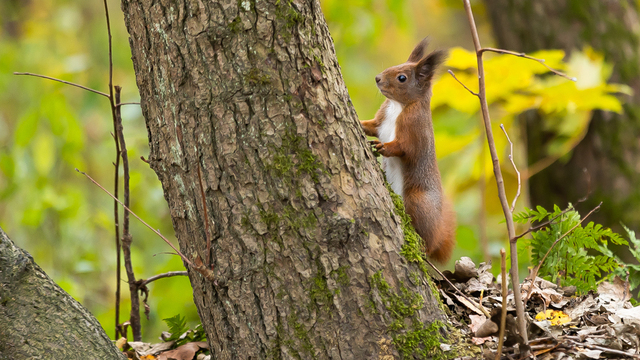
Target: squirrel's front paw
{"points": [[379, 147]]}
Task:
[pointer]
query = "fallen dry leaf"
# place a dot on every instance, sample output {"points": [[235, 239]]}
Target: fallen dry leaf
{"points": [[184, 352], [144, 349], [555, 317]]}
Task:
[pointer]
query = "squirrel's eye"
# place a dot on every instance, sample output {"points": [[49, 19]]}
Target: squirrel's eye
{"points": [[402, 78]]}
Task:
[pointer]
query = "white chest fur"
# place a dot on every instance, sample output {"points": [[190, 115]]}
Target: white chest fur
{"points": [[386, 133]]}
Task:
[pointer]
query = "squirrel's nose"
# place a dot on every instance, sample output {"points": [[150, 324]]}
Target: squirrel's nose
{"points": [[378, 78]]}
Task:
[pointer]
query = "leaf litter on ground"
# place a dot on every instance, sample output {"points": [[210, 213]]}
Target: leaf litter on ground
{"points": [[597, 325]]}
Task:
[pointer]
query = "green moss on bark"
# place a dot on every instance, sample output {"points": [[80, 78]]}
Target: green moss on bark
{"points": [[411, 337]]}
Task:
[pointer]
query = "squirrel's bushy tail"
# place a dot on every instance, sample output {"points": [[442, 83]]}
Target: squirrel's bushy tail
{"points": [[446, 235]]}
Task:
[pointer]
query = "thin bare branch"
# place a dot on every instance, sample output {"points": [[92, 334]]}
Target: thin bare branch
{"points": [[106, 14], [523, 55], [498, 174], [503, 314], [184, 258], [513, 204], [64, 82], [126, 237], [482, 214], [460, 82], [162, 276], [116, 221], [208, 274], [127, 103]]}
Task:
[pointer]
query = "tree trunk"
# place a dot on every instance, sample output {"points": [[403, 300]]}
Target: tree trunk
{"points": [[38, 319], [306, 246], [610, 150]]}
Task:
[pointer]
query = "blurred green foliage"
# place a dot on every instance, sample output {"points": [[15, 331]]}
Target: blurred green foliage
{"points": [[47, 129]]}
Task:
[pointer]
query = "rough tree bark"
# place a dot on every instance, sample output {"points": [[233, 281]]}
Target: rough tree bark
{"points": [[39, 320], [306, 246], [610, 151]]}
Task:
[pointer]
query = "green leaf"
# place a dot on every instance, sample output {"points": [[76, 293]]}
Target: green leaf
{"points": [[177, 326]]}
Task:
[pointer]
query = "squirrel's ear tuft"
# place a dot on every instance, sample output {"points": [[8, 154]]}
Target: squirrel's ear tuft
{"points": [[426, 68], [417, 53]]}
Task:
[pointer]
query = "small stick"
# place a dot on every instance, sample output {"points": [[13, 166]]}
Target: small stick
{"points": [[503, 315], [513, 204], [208, 274], [460, 82], [523, 55], [63, 81], [479, 307], [127, 103], [534, 273], [125, 244], [161, 276], [604, 349], [136, 327], [482, 214], [184, 258], [116, 220]]}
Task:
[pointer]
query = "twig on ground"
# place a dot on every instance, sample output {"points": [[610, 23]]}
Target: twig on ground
{"points": [[515, 199], [604, 349], [63, 81], [523, 55]]}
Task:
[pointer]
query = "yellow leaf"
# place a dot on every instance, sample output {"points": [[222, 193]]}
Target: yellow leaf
{"points": [[462, 59], [518, 103], [448, 144], [555, 317]]}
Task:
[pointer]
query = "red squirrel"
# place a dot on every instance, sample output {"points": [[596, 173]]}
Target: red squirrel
{"points": [[404, 128]]}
